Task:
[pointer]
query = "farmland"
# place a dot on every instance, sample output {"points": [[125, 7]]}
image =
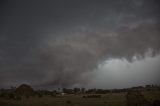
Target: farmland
{"points": [[125, 98]]}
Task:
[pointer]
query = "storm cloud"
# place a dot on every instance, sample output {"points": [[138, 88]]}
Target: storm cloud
{"points": [[55, 43]]}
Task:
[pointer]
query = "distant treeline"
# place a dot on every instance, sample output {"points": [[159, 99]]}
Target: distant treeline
{"points": [[25, 91], [105, 91]]}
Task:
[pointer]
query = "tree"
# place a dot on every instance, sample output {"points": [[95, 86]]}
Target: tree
{"points": [[82, 90], [77, 90], [24, 90]]}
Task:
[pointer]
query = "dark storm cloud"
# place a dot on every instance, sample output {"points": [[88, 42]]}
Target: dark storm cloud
{"points": [[53, 43]]}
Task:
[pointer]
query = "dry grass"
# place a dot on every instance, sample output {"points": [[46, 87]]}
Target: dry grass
{"points": [[111, 99], [151, 95]]}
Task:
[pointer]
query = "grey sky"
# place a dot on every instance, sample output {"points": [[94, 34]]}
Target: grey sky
{"points": [[50, 43]]}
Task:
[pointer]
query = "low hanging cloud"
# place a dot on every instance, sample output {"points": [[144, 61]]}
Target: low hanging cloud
{"points": [[120, 73], [44, 53]]}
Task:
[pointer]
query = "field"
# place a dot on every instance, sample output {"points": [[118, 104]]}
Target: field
{"points": [[110, 99]]}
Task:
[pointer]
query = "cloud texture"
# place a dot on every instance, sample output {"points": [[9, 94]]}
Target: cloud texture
{"points": [[54, 43]]}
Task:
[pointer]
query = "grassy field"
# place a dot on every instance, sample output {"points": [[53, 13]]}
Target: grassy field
{"points": [[110, 99], [69, 100], [151, 95]]}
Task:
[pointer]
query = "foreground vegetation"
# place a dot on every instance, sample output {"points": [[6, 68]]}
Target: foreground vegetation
{"points": [[24, 95]]}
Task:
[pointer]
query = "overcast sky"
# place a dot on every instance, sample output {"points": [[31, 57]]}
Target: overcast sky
{"points": [[79, 43]]}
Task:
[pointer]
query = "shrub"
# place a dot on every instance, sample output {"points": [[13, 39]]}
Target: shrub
{"points": [[92, 96], [18, 98], [68, 101], [11, 96]]}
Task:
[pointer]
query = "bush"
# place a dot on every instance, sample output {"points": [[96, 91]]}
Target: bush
{"points": [[92, 96], [11, 96], [84, 96], [68, 102], [18, 98], [53, 95], [40, 95]]}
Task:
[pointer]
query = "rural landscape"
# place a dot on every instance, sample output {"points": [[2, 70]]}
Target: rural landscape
{"points": [[79, 52], [24, 95]]}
